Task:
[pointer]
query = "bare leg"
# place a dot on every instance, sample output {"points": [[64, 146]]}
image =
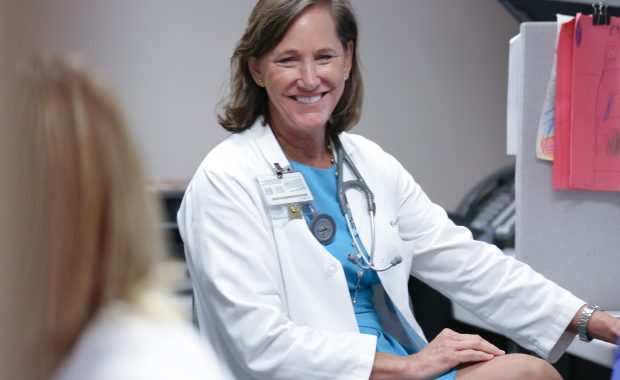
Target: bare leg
{"points": [[510, 367]]}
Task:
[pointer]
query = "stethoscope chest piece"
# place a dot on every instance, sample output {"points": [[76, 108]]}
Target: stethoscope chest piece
{"points": [[323, 228]]}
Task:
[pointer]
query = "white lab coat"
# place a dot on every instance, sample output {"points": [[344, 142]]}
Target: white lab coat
{"points": [[275, 303], [123, 343]]}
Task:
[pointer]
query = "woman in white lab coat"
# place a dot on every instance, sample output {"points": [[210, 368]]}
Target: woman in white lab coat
{"points": [[281, 288], [100, 300]]}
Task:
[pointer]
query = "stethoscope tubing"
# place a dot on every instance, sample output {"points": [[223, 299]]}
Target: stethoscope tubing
{"points": [[359, 184]]}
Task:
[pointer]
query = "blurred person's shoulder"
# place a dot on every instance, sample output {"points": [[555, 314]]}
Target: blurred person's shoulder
{"points": [[122, 343]]}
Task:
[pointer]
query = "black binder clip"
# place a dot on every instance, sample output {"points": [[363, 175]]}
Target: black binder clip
{"points": [[600, 16]]}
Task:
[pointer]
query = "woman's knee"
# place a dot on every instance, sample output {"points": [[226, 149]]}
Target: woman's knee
{"points": [[510, 367], [521, 366]]}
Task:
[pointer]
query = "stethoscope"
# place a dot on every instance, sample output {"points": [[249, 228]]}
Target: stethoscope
{"points": [[360, 259]]}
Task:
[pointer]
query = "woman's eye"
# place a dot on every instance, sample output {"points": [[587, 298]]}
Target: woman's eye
{"points": [[286, 60], [325, 57]]}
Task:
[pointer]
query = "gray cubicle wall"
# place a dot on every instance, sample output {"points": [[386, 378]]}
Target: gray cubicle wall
{"points": [[570, 236]]}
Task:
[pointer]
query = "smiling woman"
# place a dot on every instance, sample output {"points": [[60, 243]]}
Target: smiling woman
{"points": [[265, 30], [297, 276], [304, 77]]}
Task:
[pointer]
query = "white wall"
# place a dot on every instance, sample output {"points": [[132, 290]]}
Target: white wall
{"points": [[166, 59], [435, 76]]}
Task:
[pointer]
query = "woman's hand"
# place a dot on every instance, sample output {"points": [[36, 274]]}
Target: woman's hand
{"points": [[448, 350]]}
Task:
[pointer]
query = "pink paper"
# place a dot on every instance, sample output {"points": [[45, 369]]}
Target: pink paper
{"points": [[593, 130]]}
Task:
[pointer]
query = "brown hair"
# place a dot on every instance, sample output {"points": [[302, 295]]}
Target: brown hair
{"points": [[94, 237], [267, 25]]}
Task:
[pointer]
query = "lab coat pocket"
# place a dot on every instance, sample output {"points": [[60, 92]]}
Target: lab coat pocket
{"points": [[313, 279]]}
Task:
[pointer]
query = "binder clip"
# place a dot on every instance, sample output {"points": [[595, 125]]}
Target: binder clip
{"points": [[600, 16]]}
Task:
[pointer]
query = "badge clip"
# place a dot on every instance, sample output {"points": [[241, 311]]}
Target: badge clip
{"points": [[279, 169]]}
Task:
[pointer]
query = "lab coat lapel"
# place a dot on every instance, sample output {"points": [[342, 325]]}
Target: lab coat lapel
{"points": [[316, 290], [268, 145]]}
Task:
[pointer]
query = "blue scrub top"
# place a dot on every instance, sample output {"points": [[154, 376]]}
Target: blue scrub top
{"points": [[323, 184]]}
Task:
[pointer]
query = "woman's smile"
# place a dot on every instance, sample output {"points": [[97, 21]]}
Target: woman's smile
{"points": [[308, 99]]}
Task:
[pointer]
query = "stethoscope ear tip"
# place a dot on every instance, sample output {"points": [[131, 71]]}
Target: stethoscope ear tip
{"points": [[396, 260]]}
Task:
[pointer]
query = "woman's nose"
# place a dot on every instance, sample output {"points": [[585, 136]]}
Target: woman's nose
{"points": [[308, 78]]}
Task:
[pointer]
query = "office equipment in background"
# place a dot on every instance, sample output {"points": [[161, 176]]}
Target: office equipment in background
{"points": [[488, 209], [563, 234], [170, 195], [513, 108], [569, 236]]}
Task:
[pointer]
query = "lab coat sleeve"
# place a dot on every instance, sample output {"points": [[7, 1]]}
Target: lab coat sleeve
{"points": [[505, 293], [235, 270]]}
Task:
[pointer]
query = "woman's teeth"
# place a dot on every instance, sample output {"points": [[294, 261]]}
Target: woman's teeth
{"points": [[308, 100]]}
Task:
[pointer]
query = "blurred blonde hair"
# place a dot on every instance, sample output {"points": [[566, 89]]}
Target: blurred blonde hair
{"points": [[93, 222]]}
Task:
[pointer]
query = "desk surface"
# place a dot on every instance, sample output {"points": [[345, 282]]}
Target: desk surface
{"points": [[596, 351]]}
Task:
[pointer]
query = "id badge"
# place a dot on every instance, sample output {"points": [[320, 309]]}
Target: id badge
{"points": [[290, 188]]}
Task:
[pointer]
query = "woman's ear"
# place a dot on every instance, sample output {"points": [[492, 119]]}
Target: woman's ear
{"points": [[254, 67]]}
